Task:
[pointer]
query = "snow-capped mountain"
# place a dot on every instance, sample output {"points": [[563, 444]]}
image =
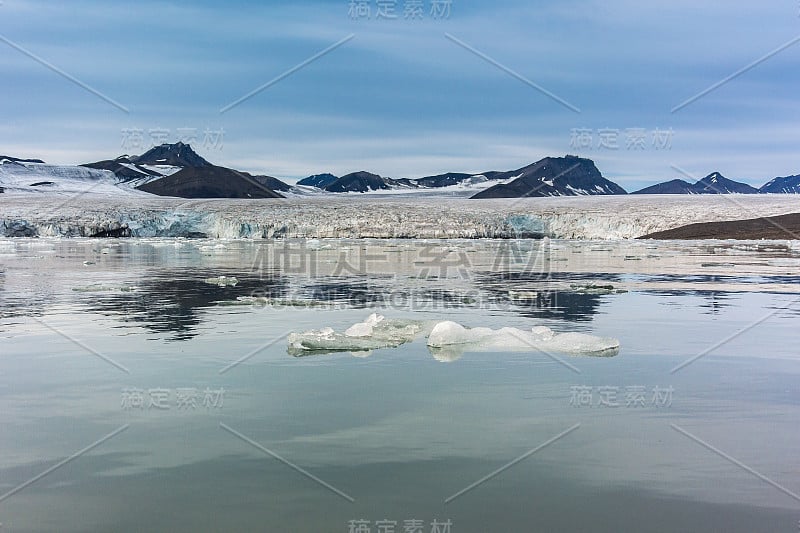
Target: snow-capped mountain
{"points": [[156, 163], [177, 170], [714, 183], [176, 155], [551, 176], [565, 176], [364, 181], [33, 176], [132, 174], [8, 158], [444, 180], [784, 185]]}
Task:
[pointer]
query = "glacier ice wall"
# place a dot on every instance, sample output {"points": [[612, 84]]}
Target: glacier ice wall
{"points": [[597, 217]]}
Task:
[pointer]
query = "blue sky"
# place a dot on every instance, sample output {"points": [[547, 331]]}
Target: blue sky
{"points": [[402, 99]]}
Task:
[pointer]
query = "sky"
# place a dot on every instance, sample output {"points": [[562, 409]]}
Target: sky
{"points": [[422, 87]]}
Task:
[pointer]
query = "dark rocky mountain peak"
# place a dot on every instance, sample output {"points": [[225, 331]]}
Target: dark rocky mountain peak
{"points": [[716, 183], [211, 182], [177, 154], [784, 185], [318, 180], [552, 176], [361, 181]]}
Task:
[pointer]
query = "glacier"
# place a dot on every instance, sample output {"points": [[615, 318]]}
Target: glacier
{"points": [[41, 200], [138, 214]]}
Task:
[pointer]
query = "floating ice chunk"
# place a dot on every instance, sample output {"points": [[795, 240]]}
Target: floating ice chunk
{"points": [[523, 295], [451, 334], [374, 333], [222, 281], [446, 340], [364, 329]]}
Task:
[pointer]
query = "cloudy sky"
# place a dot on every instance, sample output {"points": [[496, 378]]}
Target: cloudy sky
{"points": [[487, 85]]}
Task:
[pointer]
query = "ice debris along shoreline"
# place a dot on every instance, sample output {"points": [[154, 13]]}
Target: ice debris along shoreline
{"points": [[595, 217], [447, 340]]}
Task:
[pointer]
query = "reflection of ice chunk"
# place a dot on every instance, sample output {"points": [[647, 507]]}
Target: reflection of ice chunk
{"points": [[593, 288], [105, 288], [448, 354], [375, 332], [451, 334]]}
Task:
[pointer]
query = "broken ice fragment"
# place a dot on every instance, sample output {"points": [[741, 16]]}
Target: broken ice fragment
{"points": [[222, 281], [539, 338], [375, 332], [446, 340]]}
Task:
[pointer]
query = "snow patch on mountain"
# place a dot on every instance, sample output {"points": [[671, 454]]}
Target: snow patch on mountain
{"points": [[22, 178]]}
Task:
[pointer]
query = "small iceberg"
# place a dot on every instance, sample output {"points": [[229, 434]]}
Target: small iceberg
{"points": [[446, 340], [222, 281], [374, 333], [539, 338]]}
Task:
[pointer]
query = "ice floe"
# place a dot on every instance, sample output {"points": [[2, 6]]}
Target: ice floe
{"points": [[222, 281], [375, 332], [538, 338], [446, 340]]}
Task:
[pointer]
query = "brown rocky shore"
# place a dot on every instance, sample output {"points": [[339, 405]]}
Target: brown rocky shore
{"points": [[774, 227]]}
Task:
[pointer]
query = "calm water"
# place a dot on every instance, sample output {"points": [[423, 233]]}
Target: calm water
{"points": [[139, 393]]}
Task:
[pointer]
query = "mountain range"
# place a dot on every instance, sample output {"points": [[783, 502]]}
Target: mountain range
{"points": [[177, 170], [714, 183], [785, 185]]}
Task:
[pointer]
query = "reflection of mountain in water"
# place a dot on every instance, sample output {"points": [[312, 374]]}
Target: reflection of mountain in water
{"points": [[358, 293], [171, 301], [715, 301], [384, 291], [540, 295]]}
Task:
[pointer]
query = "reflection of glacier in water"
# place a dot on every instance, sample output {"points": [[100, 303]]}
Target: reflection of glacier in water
{"points": [[161, 284]]}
